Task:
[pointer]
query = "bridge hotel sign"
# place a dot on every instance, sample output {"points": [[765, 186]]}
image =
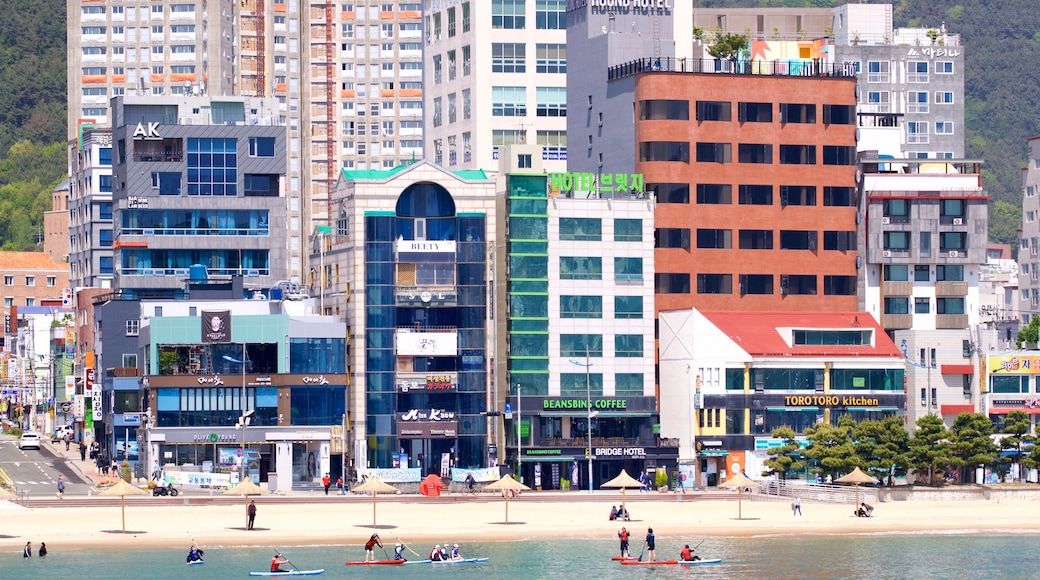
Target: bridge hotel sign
{"points": [[621, 6]]}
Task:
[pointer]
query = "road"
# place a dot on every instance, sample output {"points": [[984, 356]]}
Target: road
{"points": [[36, 472]]}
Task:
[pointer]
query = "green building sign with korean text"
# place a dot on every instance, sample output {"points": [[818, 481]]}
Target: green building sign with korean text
{"points": [[601, 182]]}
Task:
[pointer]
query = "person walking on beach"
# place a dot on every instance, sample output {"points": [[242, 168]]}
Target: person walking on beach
{"points": [[61, 487], [251, 510], [372, 542], [623, 536], [327, 482], [651, 554], [796, 506], [27, 551]]}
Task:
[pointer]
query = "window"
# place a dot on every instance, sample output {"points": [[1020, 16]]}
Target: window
{"points": [[839, 285], [654, 110], [755, 153], [897, 241], [508, 14], [133, 327], [756, 239], [952, 241], [943, 98], [52, 281], [551, 58], [552, 101], [628, 307], [951, 210], [944, 67], [130, 361], [877, 71], [508, 101], [755, 195], [839, 196], [261, 146], [712, 194], [922, 273], [451, 22], [944, 128], [949, 305], [798, 284], [665, 151], [465, 16], [551, 14], [756, 284], [798, 113], [628, 269], [508, 57], [580, 268], [672, 238], [714, 152], [581, 345], [841, 241], [839, 114], [714, 283], [105, 265], [897, 305], [665, 283], [797, 195], [917, 71], [896, 273], [714, 239], [755, 112], [581, 307], [714, 111], [105, 238], [922, 306], [839, 155], [466, 61], [590, 229], [798, 155], [8, 280], [628, 345], [30, 302], [8, 301], [670, 192], [917, 102], [949, 273], [628, 230], [896, 210], [879, 100], [30, 280], [798, 240], [105, 183], [926, 243], [168, 183]]}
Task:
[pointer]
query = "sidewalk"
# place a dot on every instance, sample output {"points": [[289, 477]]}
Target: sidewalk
{"points": [[87, 470]]}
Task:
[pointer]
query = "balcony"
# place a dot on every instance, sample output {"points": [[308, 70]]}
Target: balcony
{"points": [[890, 288], [955, 321], [786, 68], [122, 372], [897, 321], [951, 288]]}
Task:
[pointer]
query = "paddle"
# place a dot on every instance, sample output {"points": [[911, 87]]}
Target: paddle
{"points": [[291, 563], [407, 546], [387, 556], [196, 544], [641, 552]]}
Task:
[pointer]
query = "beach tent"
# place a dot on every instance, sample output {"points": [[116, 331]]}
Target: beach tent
{"points": [[857, 477], [122, 489], [246, 489], [623, 480], [507, 483], [374, 485], [739, 481]]}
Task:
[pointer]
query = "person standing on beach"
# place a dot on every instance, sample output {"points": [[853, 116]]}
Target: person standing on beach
{"points": [[27, 551], [651, 554], [623, 536], [326, 481], [796, 506], [251, 510]]}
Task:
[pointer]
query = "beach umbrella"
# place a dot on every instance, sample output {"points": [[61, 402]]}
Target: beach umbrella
{"points": [[623, 480], [739, 481], [245, 489], [507, 483], [122, 489], [4, 494], [857, 477], [374, 485]]}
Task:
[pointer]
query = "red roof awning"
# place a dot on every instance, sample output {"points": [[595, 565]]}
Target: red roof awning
{"points": [[958, 369], [956, 409]]}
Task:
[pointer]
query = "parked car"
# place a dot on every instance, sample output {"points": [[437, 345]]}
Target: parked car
{"points": [[29, 440], [60, 433]]}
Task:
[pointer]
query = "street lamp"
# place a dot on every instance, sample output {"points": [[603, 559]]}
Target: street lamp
{"points": [[519, 442], [588, 407], [243, 420]]}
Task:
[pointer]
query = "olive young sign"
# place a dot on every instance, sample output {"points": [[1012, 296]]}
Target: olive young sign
{"points": [[830, 401]]}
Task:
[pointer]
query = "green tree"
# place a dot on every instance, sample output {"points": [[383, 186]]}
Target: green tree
{"points": [[830, 447], [723, 45], [883, 447], [1016, 432], [786, 457], [1004, 221], [930, 446], [1030, 333], [972, 440]]}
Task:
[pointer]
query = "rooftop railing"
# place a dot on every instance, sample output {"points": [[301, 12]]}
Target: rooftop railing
{"points": [[787, 68]]}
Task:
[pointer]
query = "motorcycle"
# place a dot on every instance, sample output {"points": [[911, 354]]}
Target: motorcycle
{"points": [[164, 490]]}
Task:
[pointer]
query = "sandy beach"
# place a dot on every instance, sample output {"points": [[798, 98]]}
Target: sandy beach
{"points": [[348, 521]]}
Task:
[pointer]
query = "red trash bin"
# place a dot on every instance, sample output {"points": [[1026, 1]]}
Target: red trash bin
{"points": [[431, 485]]}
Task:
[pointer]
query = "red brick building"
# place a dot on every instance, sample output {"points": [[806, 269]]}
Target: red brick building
{"points": [[755, 181]]}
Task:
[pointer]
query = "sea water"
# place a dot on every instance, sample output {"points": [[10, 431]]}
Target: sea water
{"points": [[911, 556]]}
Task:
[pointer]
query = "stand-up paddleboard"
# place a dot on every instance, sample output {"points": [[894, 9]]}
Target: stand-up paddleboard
{"points": [[459, 561], [196, 563], [290, 573], [671, 562], [622, 558], [704, 561], [376, 563]]}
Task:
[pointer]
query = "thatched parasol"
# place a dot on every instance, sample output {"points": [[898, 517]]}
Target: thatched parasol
{"points": [[4, 494], [857, 477], [245, 489], [623, 480], [122, 489], [509, 484], [374, 485], [739, 481]]}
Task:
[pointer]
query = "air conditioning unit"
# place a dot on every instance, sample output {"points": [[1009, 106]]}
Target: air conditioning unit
{"points": [[886, 220], [886, 253], [958, 221], [955, 254]]}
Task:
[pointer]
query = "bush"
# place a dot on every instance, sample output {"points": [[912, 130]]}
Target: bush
{"points": [[661, 479], [124, 472]]}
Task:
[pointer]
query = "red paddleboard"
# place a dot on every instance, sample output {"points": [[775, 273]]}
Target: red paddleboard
{"points": [[618, 558], [658, 562], [376, 563]]}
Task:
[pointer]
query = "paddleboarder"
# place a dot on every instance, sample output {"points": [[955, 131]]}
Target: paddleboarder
{"points": [[455, 552], [277, 561], [435, 553], [194, 554], [687, 555], [398, 551], [623, 536], [651, 555], [370, 555]]}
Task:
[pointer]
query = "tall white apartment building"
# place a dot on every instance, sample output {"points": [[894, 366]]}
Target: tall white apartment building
{"points": [[347, 78], [496, 74]]}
